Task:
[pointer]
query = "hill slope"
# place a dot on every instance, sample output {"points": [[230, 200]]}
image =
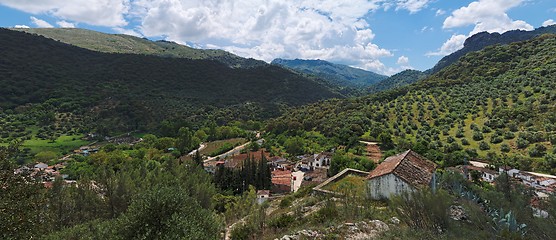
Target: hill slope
{"points": [[336, 74], [498, 104], [119, 43], [131, 91], [483, 39], [400, 79]]}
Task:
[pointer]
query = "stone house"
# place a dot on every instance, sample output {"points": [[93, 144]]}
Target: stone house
{"points": [[404, 172]]}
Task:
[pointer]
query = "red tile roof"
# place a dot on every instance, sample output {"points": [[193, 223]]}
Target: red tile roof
{"points": [[409, 166]]}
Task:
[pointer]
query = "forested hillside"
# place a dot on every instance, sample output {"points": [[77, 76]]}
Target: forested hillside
{"points": [[120, 43], [400, 79], [497, 104], [336, 74], [129, 91], [484, 39]]}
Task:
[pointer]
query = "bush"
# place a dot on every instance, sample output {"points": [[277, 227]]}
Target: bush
{"points": [[281, 221], [478, 136], [522, 143], [423, 209], [505, 147], [484, 146], [286, 201]]}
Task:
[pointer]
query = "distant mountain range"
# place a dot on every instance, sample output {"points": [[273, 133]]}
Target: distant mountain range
{"points": [[120, 43], [336, 74]]}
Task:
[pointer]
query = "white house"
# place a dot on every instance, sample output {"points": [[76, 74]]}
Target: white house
{"points": [[487, 175], [512, 172], [262, 195], [400, 173]]}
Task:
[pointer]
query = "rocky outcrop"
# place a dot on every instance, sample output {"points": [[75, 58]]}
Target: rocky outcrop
{"points": [[349, 231]]}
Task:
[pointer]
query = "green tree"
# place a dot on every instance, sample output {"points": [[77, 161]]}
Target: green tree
{"points": [[295, 146], [167, 213], [22, 201]]}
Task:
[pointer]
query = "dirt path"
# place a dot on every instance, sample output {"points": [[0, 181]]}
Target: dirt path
{"points": [[373, 151]]}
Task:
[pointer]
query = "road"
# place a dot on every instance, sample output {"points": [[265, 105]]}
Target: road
{"points": [[232, 152], [201, 147], [484, 165]]}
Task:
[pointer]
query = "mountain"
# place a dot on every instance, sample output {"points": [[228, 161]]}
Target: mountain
{"points": [[483, 39], [400, 79], [120, 43], [497, 104], [126, 91], [336, 74]]}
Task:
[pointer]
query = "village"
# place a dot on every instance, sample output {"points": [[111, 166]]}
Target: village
{"points": [[393, 175]]}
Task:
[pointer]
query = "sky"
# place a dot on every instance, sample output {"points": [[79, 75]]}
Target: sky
{"points": [[384, 36]]}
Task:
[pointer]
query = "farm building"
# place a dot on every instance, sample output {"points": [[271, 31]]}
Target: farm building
{"points": [[406, 171]]}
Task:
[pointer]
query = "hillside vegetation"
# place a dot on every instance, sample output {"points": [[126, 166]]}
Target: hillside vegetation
{"points": [[496, 104], [120, 43], [482, 40], [47, 85], [400, 79], [336, 74]]}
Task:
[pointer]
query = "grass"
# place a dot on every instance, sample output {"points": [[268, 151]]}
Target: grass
{"points": [[351, 183], [61, 145]]}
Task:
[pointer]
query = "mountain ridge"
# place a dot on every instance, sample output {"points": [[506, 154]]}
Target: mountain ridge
{"points": [[337, 74], [121, 43], [484, 39]]}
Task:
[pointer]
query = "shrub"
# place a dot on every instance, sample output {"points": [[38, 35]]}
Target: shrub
{"points": [[423, 209], [484, 146]]}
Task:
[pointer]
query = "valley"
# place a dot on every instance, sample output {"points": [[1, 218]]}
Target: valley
{"points": [[117, 137]]}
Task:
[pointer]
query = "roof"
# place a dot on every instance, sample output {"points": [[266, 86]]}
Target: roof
{"points": [[409, 166], [41, 165], [263, 192]]}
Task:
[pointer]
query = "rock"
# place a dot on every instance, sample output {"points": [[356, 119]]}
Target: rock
{"points": [[458, 213], [395, 220], [378, 225]]}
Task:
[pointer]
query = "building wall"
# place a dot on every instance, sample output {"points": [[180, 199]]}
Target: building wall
{"points": [[385, 186]]}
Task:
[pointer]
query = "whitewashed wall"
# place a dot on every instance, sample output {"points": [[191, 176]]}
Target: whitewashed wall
{"points": [[385, 186]]}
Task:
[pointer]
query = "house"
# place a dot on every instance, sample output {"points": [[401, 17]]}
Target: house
{"points": [[40, 166], [404, 172], [486, 174], [310, 162], [322, 159], [512, 172], [262, 195], [281, 181]]}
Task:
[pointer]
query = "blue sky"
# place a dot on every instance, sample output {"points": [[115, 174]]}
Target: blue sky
{"points": [[385, 36]]}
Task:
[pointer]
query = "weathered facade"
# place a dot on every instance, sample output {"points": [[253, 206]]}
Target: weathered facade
{"points": [[400, 173]]}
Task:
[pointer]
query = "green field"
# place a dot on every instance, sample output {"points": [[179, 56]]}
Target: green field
{"points": [[61, 145]]}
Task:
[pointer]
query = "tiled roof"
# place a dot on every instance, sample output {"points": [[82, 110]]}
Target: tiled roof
{"points": [[409, 166]]}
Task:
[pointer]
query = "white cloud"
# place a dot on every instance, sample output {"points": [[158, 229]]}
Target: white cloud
{"points": [[41, 23], [266, 29], [440, 12], [403, 60], [412, 6], [21, 26], [130, 32], [486, 15], [95, 12], [548, 22], [64, 24], [453, 44]]}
